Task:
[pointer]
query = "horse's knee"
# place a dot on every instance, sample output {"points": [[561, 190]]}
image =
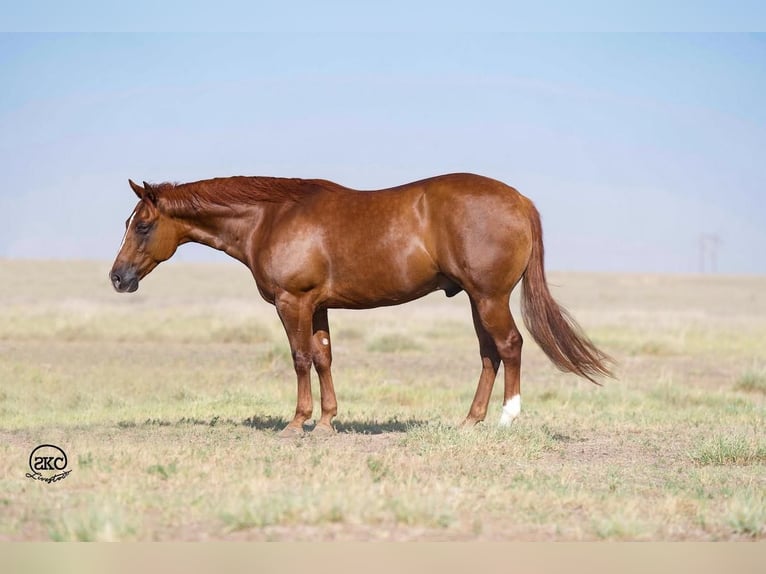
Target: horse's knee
{"points": [[302, 362]]}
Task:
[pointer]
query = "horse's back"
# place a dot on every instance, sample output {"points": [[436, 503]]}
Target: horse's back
{"points": [[473, 230], [370, 248]]}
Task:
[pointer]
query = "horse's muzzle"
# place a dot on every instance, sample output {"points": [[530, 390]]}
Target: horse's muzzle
{"points": [[124, 281]]}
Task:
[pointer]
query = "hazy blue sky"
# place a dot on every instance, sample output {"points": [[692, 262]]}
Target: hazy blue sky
{"points": [[631, 145]]}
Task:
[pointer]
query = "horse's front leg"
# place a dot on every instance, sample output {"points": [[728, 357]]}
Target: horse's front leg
{"points": [[321, 348], [296, 314]]}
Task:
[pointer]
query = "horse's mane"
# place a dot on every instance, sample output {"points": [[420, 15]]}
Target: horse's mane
{"points": [[199, 196]]}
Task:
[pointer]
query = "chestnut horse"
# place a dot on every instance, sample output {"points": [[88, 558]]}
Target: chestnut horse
{"points": [[313, 245]]}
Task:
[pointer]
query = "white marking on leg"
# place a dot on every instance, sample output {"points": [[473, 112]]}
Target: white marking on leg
{"points": [[511, 410], [124, 237], [325, 341]]}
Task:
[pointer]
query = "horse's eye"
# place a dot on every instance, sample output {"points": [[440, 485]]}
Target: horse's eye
{"points": [[143, 228]]}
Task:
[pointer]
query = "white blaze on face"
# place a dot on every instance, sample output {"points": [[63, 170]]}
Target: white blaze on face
{"points": [[511, 410], [124, 237], [325, 341]]}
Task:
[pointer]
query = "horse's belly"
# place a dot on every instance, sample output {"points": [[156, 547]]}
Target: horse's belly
{"points": [[377, 281]]}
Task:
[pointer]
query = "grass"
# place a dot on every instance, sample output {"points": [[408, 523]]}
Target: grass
{"points": [[747, 515], [168, 403], [393, 343], [752, 381], [730, 449]]}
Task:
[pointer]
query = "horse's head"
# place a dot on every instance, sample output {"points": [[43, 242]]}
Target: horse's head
{"points": [[150, 238]]}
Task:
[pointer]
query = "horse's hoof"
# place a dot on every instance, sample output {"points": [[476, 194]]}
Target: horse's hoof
{"points": [[291, 432], [468, 425], [323, 430]]}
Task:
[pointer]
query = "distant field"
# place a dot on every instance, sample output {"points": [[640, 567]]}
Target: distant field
{"points": [[167, 403]]}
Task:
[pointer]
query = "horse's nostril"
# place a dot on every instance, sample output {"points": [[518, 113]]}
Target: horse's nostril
{"points": [[116, 280]]}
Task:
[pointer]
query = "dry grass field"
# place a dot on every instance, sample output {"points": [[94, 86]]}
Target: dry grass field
{"points": [[167, 404]]}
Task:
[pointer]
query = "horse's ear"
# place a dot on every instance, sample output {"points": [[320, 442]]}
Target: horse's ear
{"points": [[145, 193], [139, 191], [149, 194]]}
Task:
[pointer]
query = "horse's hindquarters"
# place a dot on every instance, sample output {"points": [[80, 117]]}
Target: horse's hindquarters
{"points": [[480, 238]]}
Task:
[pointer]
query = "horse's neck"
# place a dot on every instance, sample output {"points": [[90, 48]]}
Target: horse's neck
{"points": [[227, 231]]}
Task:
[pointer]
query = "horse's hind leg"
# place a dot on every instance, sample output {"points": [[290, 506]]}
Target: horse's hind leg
{"points": [[321, 354], [490, 362], [494, 317]]}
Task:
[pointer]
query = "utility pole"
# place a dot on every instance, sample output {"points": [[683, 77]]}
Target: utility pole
{"points": [[708, 252]]}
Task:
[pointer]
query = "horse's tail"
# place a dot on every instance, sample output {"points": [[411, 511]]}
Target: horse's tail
{"points": [[551, 326]]}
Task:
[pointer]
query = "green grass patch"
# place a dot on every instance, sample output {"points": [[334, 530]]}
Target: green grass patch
{"points": [[747, 514], [730, 449], [164, 471], [752, 381], [93, 524]]}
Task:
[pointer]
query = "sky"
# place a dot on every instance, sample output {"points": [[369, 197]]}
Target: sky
{"points": [[631, 145]]}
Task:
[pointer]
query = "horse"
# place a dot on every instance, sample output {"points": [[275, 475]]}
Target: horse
{"points": [[313, 245]]}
